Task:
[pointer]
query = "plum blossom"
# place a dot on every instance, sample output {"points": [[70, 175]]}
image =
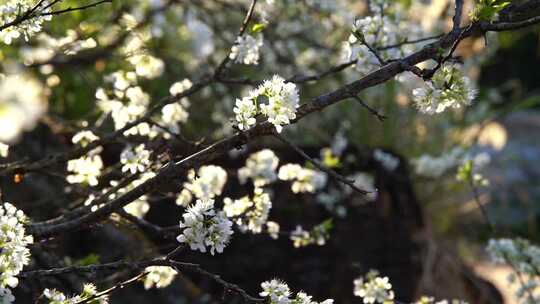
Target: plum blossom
{"points": [[159, 276], [260, 167], [246, 49], [14, 253], [135, 159], [448, 88], [373, 288], [281, 99], [303, 179], [22, 103], [204, 227], [10, 10]]}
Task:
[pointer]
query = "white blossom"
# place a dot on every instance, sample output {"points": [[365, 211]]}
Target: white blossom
{"points": [[374, 289], [245, 110], [10, 10], [524, 258], [159, 276], [175, 113], [303, 179], [448, 88], [318, 235], [246, 49], [147, 66], [364, 181], [89, 294], [22, 103], [6, 297], [387, 160], [273, 229], [250, 214], [83, 138], [203, 227], [4, 150], [260, 167], [135, 159], [206, 184], [430, 166], [281, 99], [300, 237], [14, 254], [86, 169], [278, 292]]}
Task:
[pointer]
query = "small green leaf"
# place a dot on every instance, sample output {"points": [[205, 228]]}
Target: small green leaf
{"points": [[258, 27], [90, 259]]}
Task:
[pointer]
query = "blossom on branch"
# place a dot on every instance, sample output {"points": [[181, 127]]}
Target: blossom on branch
{"points": [[448, 88], [246, 49], [204, 227], [279, 101]]}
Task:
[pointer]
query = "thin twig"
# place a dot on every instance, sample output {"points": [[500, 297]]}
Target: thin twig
{"points": [[72, 9], [322, 167], [379, 116]]}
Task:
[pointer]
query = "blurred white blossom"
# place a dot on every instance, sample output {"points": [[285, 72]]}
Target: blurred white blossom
{"points": [[246, 49], [22, 103], [159, 276], [303, 179], [260, 167]]}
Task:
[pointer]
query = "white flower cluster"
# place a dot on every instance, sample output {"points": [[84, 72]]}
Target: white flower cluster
{"points": [[430, 166], [260, 167], [22, 103], [14, 254], [282, 101], [135, 159], [203, 227], [47, 47], [304, 179], [10, 10], [83, 138], [431, 300], [246, 49], [250, 214], [4, 150], [273, 228], [85, 170], [364, 181], [159, 276], [125, 103], [318, 235], [175, 113], [146, 65], [448, 88], [524, 258], [88, 295], [278, 292], [374, 289], [379, 30], [387, 160], [206, 184]]}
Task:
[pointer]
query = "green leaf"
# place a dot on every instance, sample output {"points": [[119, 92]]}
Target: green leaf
{"points": [[258, 27], [90, 259]]}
